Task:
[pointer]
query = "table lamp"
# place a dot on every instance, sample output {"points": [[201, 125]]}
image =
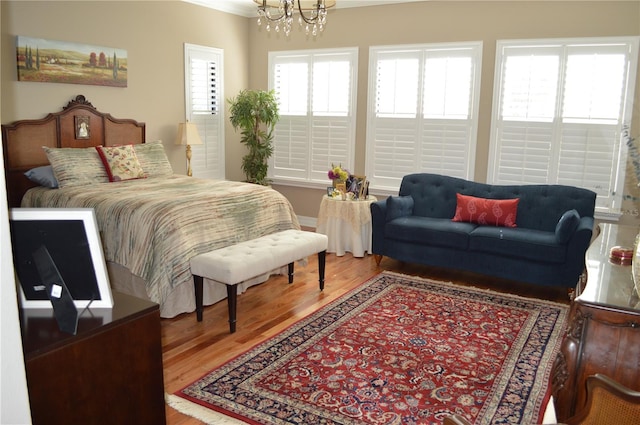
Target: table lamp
{"points": [[188, 135]]}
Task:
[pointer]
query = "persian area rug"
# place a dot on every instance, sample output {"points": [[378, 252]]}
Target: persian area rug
{"points": [[396, 350]]}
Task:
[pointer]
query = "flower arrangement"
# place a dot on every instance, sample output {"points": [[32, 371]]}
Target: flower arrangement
{"points": [[338, 173]]}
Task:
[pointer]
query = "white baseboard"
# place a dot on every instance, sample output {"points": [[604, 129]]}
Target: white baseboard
{"points": [[307, 221]]}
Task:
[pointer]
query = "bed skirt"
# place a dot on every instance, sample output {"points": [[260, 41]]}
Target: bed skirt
{"points": [[182, 299]]}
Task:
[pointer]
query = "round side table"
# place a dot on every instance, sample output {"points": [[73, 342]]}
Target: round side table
{"points": [[347, 224]]}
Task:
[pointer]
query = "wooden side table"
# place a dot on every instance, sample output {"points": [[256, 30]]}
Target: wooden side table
{"points": [[604, 325], [347, 224], [110, 372]]}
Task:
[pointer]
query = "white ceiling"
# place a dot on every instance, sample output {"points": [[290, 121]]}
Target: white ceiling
{"points": [[248, 8]]}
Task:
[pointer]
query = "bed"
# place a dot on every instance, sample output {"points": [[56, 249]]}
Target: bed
{"points": [[150, 224]]}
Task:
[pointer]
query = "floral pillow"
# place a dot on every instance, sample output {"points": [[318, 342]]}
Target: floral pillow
{"points": [[76, 166], [120, 162], [492, 212]]}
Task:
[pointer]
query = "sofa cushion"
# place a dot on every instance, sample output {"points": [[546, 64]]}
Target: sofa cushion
{"points": [[493, 212], [399, 206], [534, 245], [430, 231], [567, 225]]}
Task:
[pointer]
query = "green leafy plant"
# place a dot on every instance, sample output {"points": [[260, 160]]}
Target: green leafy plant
{"points": [[256, 113]]}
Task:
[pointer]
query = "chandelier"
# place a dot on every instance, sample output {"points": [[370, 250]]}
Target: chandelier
{"points": [[313, 14]]}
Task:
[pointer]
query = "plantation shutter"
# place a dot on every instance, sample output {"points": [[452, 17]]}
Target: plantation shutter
{"points": [[291, 140], [562, 107], [316, 96], [394, 128], [203, 96], [422, 114], [449, 126], [528, 104], [592, 121]]}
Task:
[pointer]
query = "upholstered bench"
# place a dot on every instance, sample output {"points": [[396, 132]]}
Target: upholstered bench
{"points": [[236, 263]]}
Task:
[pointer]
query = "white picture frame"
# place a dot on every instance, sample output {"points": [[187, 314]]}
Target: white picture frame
{"points": [[70, 234]]}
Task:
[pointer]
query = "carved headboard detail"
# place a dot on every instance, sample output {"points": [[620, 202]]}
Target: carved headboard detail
{"points": [[78, 125]]}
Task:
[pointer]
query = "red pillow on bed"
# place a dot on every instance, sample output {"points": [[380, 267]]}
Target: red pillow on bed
{"points": [[120, 162], [492, 212]]}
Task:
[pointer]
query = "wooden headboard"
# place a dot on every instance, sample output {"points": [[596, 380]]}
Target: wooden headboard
{"points": [[22, 141]]}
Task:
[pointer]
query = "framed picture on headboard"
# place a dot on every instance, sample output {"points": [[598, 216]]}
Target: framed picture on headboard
{"points": [[82, 127]]}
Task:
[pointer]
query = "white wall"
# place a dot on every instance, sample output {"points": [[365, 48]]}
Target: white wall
{"points": [[14, 398]]}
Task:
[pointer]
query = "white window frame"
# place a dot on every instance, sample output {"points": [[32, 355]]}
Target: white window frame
{"points": [[307, 143], [552, 133], [402, 142], [206, 110]]}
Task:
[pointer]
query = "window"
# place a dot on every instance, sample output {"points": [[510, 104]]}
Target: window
{"points": [[560, 110], [204, 94], [422, 111], [316, 93]]}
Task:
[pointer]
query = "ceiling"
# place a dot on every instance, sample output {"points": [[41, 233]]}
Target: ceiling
{"points": [[248, 8]]}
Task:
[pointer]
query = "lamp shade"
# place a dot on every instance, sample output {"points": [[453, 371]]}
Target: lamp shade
{"points": [[188, 134]]}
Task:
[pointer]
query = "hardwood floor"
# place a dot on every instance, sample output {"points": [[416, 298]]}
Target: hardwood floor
{"points": [[191, 349]]}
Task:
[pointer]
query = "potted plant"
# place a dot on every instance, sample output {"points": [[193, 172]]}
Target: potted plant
{"points": [[255, 112]]}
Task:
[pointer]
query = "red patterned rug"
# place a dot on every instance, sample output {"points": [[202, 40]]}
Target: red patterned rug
{"points": [[396, 350]]}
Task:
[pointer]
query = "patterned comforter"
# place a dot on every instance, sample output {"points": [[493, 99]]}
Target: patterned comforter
{"points": [[154, 226]]}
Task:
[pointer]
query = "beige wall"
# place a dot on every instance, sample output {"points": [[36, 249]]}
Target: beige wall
{"points": [[14, 396], [153, 34], [436, 21]]}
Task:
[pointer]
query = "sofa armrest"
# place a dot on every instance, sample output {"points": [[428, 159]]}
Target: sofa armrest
{"points": [[583, 233], [586, 226], [378, 212], [378, 220], [578, 244]]}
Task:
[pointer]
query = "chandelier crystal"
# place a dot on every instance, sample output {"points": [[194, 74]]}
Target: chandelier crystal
{"points": [[313, 14]]}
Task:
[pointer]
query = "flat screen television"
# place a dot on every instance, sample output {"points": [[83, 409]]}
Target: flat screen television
{"points": [[71, 238]]}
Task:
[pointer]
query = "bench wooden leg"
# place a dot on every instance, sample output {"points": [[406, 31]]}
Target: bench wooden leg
{"points": [[232, 302], [290, 267], [322, 256], [197, 284]]}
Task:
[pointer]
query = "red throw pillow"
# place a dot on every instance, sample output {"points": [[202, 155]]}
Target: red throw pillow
{"points": [[492, 212]]}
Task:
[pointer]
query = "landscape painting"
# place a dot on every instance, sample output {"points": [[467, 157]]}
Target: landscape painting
{"points": [[50, 61]]}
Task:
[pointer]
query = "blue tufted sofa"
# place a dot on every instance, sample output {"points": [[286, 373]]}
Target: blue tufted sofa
{"points": [[554, 225]]}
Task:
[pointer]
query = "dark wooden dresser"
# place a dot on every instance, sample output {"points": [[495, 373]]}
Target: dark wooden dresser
{"points": [[110, 372], [604, 325]]}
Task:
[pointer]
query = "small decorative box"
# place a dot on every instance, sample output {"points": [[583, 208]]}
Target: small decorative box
{"points": [[621, 255]]}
